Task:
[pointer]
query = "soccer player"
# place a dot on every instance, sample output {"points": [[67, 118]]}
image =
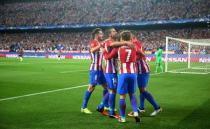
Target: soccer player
{"points": [[111, 72], [127, 76], [143, 73], [158, 60], [59, 54], [96, 71], [20, 54]]}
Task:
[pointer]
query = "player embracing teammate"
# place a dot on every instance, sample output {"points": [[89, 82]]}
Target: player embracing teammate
{"points": [[127, 74], [96, 71], [110, 71], [143, 74]]}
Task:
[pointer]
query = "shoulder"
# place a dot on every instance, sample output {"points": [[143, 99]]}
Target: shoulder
{"points": [[107, 42], [93, 43], [139, 43]]}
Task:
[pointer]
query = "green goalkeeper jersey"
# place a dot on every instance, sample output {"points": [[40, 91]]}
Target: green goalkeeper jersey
{"points": [[159, 55]]}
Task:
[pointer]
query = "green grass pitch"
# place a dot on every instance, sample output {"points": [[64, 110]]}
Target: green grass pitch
{"points": [[185, 98]]}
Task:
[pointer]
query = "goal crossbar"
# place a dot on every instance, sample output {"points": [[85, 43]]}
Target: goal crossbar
{"points": [[203, 42], [190, 43]]}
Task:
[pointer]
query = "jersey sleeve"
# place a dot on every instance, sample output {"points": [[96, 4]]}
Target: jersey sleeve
{"points": [[139, 48], [93, 44], [107, 45]]}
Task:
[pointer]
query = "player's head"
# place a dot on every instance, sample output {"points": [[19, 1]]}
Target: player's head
{"points": [[133, 37], [126, 35], [111, 32], [134, 33], [98, 34], [116, 37], [161, 47]]}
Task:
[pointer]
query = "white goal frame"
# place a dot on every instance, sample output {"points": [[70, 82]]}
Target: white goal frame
{"points": [[189, 42]]}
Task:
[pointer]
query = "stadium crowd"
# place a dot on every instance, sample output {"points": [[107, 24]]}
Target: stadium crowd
{"points": [[96, 11], [79, 41]]}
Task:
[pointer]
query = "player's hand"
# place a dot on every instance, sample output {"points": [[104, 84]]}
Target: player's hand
{"points": [[102, 49]]}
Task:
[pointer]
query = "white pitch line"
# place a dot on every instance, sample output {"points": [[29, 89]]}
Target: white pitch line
{"points": [[73, 71], [157, 73], [3, 63], [45, 92], [51, 91], [16, 63]]}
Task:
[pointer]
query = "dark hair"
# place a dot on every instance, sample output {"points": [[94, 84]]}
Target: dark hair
{"points": [[126, 35], [109, 31], [116, 37], [134, 33], [161, 47], [96, 31]]}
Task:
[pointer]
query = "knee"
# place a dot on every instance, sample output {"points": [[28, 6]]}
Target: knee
{"points": [[105, 86], [122, 96], [112, 91], [132, 94], [91, 88], [142, 90]]}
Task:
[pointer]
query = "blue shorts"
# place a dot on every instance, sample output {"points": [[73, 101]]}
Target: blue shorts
{"points": [[126, 84], [111, 79], [97, 77], [142, 80]]}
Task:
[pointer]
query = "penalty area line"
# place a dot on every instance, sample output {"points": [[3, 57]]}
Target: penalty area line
{"points": [[45, 92]]}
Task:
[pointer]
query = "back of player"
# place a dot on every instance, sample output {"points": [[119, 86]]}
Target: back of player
{"points": [[143, 72], [127, 58], [110, 72], [127, 77]]}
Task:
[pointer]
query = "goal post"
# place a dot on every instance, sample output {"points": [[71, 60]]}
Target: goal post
{"points": [[187, 55]]}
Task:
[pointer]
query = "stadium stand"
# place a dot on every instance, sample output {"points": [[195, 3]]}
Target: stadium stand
{"points": [[78, 41], [98, 11]]}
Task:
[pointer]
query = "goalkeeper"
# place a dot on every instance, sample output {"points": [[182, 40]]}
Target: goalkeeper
{"points": [[158, 61]]}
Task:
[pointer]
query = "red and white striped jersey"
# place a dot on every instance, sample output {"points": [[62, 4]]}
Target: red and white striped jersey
{"points": [[142, 67], [141, 63], [111, 63], [96, 57], [127, 58]]}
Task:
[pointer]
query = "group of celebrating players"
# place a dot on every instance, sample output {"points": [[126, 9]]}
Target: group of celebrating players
{"points": [[133, 69]]}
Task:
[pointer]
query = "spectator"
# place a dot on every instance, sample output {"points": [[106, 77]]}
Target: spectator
{"points": [[79, 41], [97, 11]]}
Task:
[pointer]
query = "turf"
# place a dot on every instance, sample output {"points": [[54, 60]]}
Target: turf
{"points": [[185, 98]]}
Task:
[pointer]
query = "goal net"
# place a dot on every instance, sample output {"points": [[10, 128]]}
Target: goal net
{"points": [[187, 56]]}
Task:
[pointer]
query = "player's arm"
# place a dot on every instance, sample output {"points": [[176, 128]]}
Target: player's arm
{"points": [[95, 48], [111, 55], [159, 53], [124, 43], [139, 50]]}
